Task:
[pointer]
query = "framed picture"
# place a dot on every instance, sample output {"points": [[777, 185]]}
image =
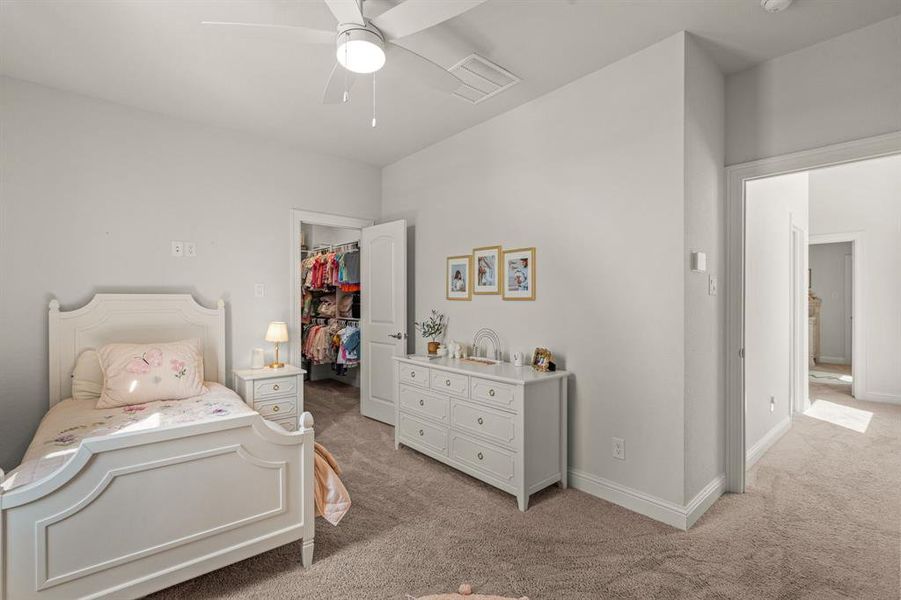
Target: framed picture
{"points": [[541, 359], [459, 277], [486, 263], [519, 274]]}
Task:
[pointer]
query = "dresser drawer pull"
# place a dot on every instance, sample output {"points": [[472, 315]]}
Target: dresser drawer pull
{"points": [[480, 455], [275, 387], [421, 402], [491, 392], [275, 408], [447, 382], [421, 432], [480, 421]]}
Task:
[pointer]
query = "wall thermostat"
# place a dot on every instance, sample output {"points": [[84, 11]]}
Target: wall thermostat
{"points": [[698, 261]]}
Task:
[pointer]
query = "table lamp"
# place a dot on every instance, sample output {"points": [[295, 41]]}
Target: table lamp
{"points": [[277, 333]]}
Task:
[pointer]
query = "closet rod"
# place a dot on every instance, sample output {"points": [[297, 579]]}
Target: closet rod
{"points": [[334, 247]]}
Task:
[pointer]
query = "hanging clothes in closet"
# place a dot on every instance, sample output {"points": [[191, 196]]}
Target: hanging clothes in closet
{"points": [[330, 279]]}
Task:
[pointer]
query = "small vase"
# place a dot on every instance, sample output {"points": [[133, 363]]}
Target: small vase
{"points": [[433, 347]]}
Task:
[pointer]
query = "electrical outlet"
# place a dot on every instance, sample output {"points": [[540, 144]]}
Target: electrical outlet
{"points": [[619, 448], [190, 249], [772, 404], [259, 290], [178, 249], [712, 286]]}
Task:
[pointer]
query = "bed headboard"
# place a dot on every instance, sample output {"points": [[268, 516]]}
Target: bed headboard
{"points": [[141, 318]]}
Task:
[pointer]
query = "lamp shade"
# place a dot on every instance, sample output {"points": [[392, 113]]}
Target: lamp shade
{"points": [[277, 332]]}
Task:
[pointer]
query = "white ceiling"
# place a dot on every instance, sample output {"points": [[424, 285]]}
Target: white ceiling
{"points": [[154, 55]]}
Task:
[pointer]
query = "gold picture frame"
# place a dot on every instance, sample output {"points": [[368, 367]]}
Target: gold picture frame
{"points": [[486, 270], [458, 278], [519, 277]]}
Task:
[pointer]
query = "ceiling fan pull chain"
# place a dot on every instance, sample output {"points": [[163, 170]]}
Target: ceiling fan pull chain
{"points": [[345, 70], [373, 99]]}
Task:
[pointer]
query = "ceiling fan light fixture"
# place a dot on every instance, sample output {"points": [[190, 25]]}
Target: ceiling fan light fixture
{"points": [[360, 50]]}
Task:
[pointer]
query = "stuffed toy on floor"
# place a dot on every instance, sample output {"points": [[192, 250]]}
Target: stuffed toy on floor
{"points": [[464, 593]]}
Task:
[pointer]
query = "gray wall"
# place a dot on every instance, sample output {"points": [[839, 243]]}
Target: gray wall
{"points": [[94, 192], [842, 89], [768, 344], [705, 418], [594, 175], [827, 273]]}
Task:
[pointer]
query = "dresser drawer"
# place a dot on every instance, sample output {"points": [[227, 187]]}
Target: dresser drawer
{"points": [[276, 408], [494, 462], [413, 374], [492, 392], [451, 383], [269, 388], [422, 403], [493, 424], [290, 424], [420, 433]]}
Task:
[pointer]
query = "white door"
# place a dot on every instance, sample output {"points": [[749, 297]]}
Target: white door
{"points": [[383, 318]]}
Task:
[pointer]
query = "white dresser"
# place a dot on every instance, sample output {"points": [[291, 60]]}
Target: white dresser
{"points": [[502, 424], [277, 394]]}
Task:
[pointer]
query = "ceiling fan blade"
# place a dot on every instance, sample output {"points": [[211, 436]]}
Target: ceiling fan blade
{"points": [[295, 34], [422, 69], [337, 84], [346, 11], [412, 16]]}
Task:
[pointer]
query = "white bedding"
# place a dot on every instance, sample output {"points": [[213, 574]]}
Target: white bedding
{"points": [[66, 424]]}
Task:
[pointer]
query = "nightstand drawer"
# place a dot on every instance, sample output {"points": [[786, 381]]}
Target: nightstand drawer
{"points": [[281, 386], [414, 375], [417, 401], [450, 383], [495, 425], [492, 392], [276, 408], [290, 424]]}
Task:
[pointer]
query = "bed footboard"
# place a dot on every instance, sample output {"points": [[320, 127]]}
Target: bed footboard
{"points": [[138, 512]]}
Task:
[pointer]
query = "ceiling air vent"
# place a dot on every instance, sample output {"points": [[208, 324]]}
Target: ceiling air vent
{"points": [[481, 79]]}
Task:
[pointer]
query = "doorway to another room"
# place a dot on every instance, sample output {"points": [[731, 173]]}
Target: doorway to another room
{"points": [[348, 307]]}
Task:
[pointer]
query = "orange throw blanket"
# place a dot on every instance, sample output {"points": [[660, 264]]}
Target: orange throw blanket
{"points": [[332, 499]]}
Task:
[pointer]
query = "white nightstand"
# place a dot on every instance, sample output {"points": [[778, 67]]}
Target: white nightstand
{"points": [[277, 394]]}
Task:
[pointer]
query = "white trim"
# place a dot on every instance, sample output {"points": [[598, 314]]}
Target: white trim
{"points": [[299, 217], [736, 176], [858, 311], [834, 360], [766, 442], [675, 515], [882, 397]]}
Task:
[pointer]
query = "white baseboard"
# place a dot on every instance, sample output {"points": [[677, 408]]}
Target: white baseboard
{"points": [[834, 360], [881, 397], [675, 515], [772, 436]]}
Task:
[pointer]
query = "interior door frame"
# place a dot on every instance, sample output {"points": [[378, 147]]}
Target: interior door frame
{"points": [[736, 203], [300, 217], [799, 375], [858, 316]]}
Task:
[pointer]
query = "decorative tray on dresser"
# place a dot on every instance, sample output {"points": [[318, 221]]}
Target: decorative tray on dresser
{"points": [[501, 424], [277, 394]]}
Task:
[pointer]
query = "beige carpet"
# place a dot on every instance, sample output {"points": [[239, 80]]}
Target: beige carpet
{"points": [[821, 521]]}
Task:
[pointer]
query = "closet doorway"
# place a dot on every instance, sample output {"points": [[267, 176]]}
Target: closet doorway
{"points": [[348, 304]]}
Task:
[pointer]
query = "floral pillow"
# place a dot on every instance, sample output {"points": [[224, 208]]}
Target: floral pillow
{"points": [[139, 373]]}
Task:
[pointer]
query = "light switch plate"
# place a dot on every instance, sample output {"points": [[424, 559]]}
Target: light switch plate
{"points": [[178, 249], [259, 290], [712, 286], [190, 249]]}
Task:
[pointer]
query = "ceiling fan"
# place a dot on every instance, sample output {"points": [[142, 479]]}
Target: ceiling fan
{"points": [[363, 45]]}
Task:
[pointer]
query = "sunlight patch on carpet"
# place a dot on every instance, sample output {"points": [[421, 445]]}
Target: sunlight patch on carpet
{"points": [[841, 415]]}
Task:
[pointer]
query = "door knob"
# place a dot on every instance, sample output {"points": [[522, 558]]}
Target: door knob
{"points": [[398, 336]]}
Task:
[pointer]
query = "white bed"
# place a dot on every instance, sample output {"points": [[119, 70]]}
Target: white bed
{"points": [[138, 511]]}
